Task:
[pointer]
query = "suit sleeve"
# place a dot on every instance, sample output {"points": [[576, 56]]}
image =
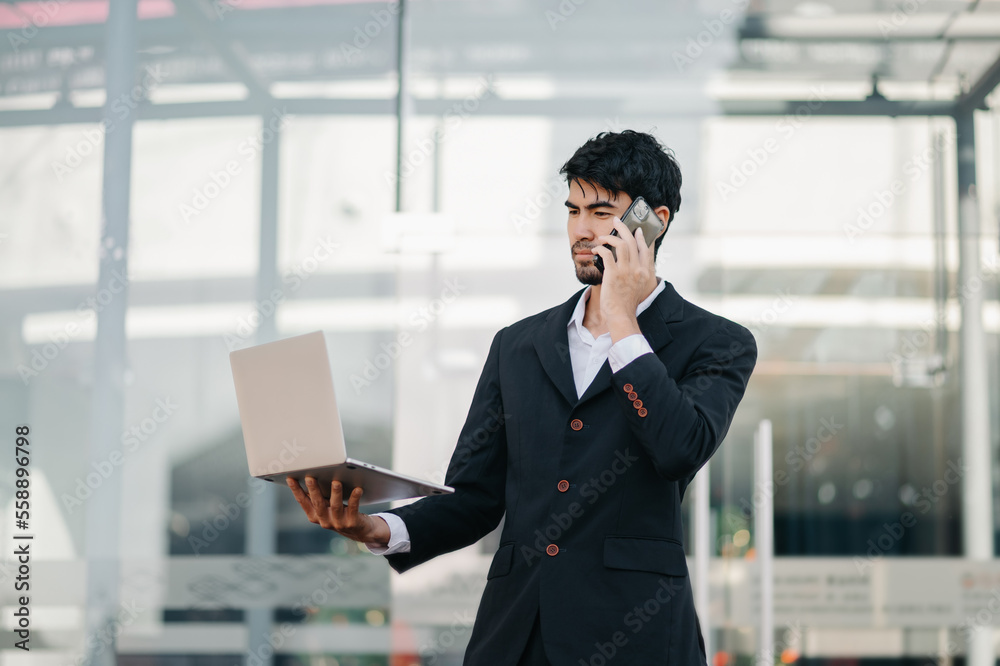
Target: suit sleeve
{"points": [[682, 421], [478, 472]]}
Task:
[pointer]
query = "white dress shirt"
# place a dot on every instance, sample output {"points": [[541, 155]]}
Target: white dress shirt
{"points": [[587, 355]]}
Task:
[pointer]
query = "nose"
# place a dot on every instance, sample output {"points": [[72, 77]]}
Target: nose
{"points": [[584, 228]]}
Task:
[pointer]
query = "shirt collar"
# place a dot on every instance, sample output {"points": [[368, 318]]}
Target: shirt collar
{"points": [[581, 307]]}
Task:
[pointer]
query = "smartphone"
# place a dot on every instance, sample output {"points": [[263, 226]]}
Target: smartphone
{"points": [[639, 214]]}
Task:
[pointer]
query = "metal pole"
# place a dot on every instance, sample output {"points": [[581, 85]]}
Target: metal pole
{"points": [[262, 515], [942, 360], [108, 406], [977, 491], [267, 263], [763, 528], [940, 259], [401, 92], [702, 553]]}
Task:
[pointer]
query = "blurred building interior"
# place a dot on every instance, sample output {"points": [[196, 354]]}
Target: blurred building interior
{"points": [[181, 178]]}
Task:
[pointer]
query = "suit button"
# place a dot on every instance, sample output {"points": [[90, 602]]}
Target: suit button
{"points": [[628, 388], [552, 550], [563, 486], [633, 395], [642, 411], [576, 424], [637, 403]]}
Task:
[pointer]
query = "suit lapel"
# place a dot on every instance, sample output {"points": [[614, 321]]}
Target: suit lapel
{"points": [[552, 344], [552, 341]]}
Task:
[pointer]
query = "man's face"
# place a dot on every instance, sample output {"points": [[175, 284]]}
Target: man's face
{"points": [[591, 214]]}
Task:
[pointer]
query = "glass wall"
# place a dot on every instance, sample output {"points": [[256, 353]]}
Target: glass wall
{"points": [[833, 239]]}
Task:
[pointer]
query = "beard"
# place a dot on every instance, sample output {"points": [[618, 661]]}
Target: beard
{"points": [[586, 271]]}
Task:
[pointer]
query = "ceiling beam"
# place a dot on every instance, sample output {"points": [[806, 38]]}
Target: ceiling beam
{"points": [[806, 108], [457, 108], [975, 98], [560, 108], [199, 20], [872, 28]]}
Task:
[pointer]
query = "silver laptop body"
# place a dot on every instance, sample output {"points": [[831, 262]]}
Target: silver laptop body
{"points": [[292, 427]]}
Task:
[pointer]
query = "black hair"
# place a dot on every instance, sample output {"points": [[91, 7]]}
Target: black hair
{"points": [[631, 162]]}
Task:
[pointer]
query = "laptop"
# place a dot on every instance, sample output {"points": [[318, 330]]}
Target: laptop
{"points": [[291, 423]]}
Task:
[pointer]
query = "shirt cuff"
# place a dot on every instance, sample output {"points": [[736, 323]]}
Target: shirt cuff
{"points": [[627, 350], [399, 537]]}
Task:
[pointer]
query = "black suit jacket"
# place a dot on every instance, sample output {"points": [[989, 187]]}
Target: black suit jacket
{"points": [[591, 487]]}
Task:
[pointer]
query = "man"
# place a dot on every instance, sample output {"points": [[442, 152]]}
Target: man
{"points": [[608, 404]]}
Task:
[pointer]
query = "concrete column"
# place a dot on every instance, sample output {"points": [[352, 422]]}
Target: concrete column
{"points": [[262, 514], [108, 410]]}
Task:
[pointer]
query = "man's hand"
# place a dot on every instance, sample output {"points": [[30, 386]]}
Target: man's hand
{"points": [[627, 280], [333, 515]]}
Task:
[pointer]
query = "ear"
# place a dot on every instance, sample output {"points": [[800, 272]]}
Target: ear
{"points": [[664, 214]]}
